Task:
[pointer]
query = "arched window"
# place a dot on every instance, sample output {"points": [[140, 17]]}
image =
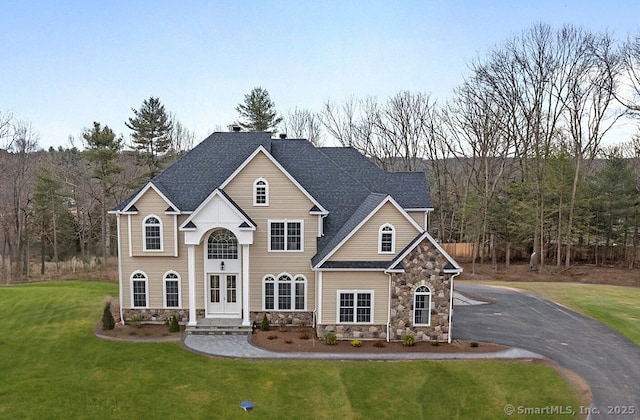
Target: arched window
{"points": [[171, 284], [422, 306], [386, 239], [152, 233], [284, 292], [222, 245], [260, 192], [139, 290]]}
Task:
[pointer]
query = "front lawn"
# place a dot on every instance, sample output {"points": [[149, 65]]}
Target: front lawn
{"points": [[54, 367], [615, 306]]}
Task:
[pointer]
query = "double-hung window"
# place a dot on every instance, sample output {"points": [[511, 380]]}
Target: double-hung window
{"points": [[152, 234], [284, 292], [386, 239], [355, 306], [285, 235], [139, 290], [422, 306], [171, 290]]}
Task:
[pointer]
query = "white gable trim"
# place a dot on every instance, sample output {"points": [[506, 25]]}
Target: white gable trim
{"points": [[143, 191], [217, 193], [261, 149], [388, 199], [400, 257]]}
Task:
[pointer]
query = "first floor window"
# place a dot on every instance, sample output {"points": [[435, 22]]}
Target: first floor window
{"points": [[355, 306], [284, 292], [422, 306], [139, 289], [285, 236], [171, 290]]}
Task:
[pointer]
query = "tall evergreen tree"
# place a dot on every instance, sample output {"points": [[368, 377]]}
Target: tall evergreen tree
{"points": [[258, 111], [151, 135]]}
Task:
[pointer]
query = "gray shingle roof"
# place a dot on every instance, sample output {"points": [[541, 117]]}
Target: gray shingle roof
{"points": [[342, 180]]}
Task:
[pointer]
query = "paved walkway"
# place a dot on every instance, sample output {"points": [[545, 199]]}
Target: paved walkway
{"points": [[608, 361], [238, 346]]}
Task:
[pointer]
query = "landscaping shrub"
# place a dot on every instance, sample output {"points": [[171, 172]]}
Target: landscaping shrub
{"points": [[173, 324], [408, 340], [330, 339], [356, 343], [264, 325], [136, 320], [473, 344], [435, 343], [108, 323]]}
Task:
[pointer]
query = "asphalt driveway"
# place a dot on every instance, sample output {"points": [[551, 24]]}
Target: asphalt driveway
{"points": [[608, 361]]}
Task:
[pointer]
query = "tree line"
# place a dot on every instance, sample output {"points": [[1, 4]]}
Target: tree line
{"points": [[515, 158]]}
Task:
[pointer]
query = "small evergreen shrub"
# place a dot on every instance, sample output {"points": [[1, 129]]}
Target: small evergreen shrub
{"points": [[108, 323], [264, 325], [408, 340], [356, 343], [173, 324], [136, 320], [435, 343], [330, 339], [474, 344]]}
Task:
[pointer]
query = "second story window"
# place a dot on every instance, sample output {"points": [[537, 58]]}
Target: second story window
{"points": [[260, 192], [152, 234], [286, 235], [386, 239]]}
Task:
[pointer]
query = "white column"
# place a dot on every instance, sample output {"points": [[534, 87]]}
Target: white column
{"points": [[191, 266], [245, 285]]}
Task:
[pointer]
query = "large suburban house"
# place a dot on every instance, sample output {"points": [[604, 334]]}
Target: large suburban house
{"points": [[246, 225]]}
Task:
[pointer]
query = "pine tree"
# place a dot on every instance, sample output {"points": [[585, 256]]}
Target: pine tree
{"points": [[108, 323], [151, 135], [258, 111]]}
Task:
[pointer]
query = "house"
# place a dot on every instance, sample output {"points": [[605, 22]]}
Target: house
{"points": [[246, 225]]}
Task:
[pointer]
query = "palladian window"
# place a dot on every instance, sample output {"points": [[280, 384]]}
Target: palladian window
{"points": [[222, 245]]}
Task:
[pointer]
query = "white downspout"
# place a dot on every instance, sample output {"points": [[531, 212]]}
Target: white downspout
{"points": [[451, 308], [121, 298], [389, 312]]}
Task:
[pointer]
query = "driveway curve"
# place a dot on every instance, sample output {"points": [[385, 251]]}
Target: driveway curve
{"points": [[608, 361]]}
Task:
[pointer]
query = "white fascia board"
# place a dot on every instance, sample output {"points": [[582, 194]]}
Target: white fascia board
{"points": [[388, 199], [261, 149], [202, 205], [436, 245], [144, 190]]}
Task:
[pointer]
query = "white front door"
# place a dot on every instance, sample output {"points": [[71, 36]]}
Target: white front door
{"points": [[223, 298]]}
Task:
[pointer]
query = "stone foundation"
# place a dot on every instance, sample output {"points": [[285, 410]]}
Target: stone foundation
{"points": [[284, 318], [159, 316], [351, 332]]}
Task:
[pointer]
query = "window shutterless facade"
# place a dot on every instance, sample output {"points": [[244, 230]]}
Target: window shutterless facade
{"points": [[422, 306], [139, 290], [172, 290], [284, 292], [152, 233], [285, 235], [355, 306]]}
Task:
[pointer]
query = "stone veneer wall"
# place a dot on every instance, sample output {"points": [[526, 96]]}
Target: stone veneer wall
{"points": [[284, 318], [351, 331], [157, 315], [423, 266]]}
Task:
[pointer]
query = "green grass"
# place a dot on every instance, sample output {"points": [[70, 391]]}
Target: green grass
{"points": [[615, 306], [52, 366]]}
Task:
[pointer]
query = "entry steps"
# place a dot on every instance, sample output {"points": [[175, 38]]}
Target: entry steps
{"points": [[219, 326]]}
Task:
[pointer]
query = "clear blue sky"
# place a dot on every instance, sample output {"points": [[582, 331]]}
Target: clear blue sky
{"points": [[65, 64]]}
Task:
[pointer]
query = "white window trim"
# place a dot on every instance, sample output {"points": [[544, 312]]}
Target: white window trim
{"points": [[266, 192], [144, 234], [146, 289], [285, 221], [393, 239], [275, 292], [355, 307], [430, 294], [164, 289]]}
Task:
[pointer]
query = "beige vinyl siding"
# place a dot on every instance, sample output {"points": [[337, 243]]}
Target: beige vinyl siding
{"points": [[418, 216], [286, 201], [154, 268], [363, 245], [332, 281], [151, 203]]}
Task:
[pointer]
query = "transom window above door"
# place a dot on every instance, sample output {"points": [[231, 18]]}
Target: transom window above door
{"points": [[222, 245]]}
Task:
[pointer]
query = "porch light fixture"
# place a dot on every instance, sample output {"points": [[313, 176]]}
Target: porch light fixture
{"points": [[221, 265]]}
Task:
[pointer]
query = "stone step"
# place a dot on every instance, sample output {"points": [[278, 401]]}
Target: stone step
{"points": [[218, 329]]}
